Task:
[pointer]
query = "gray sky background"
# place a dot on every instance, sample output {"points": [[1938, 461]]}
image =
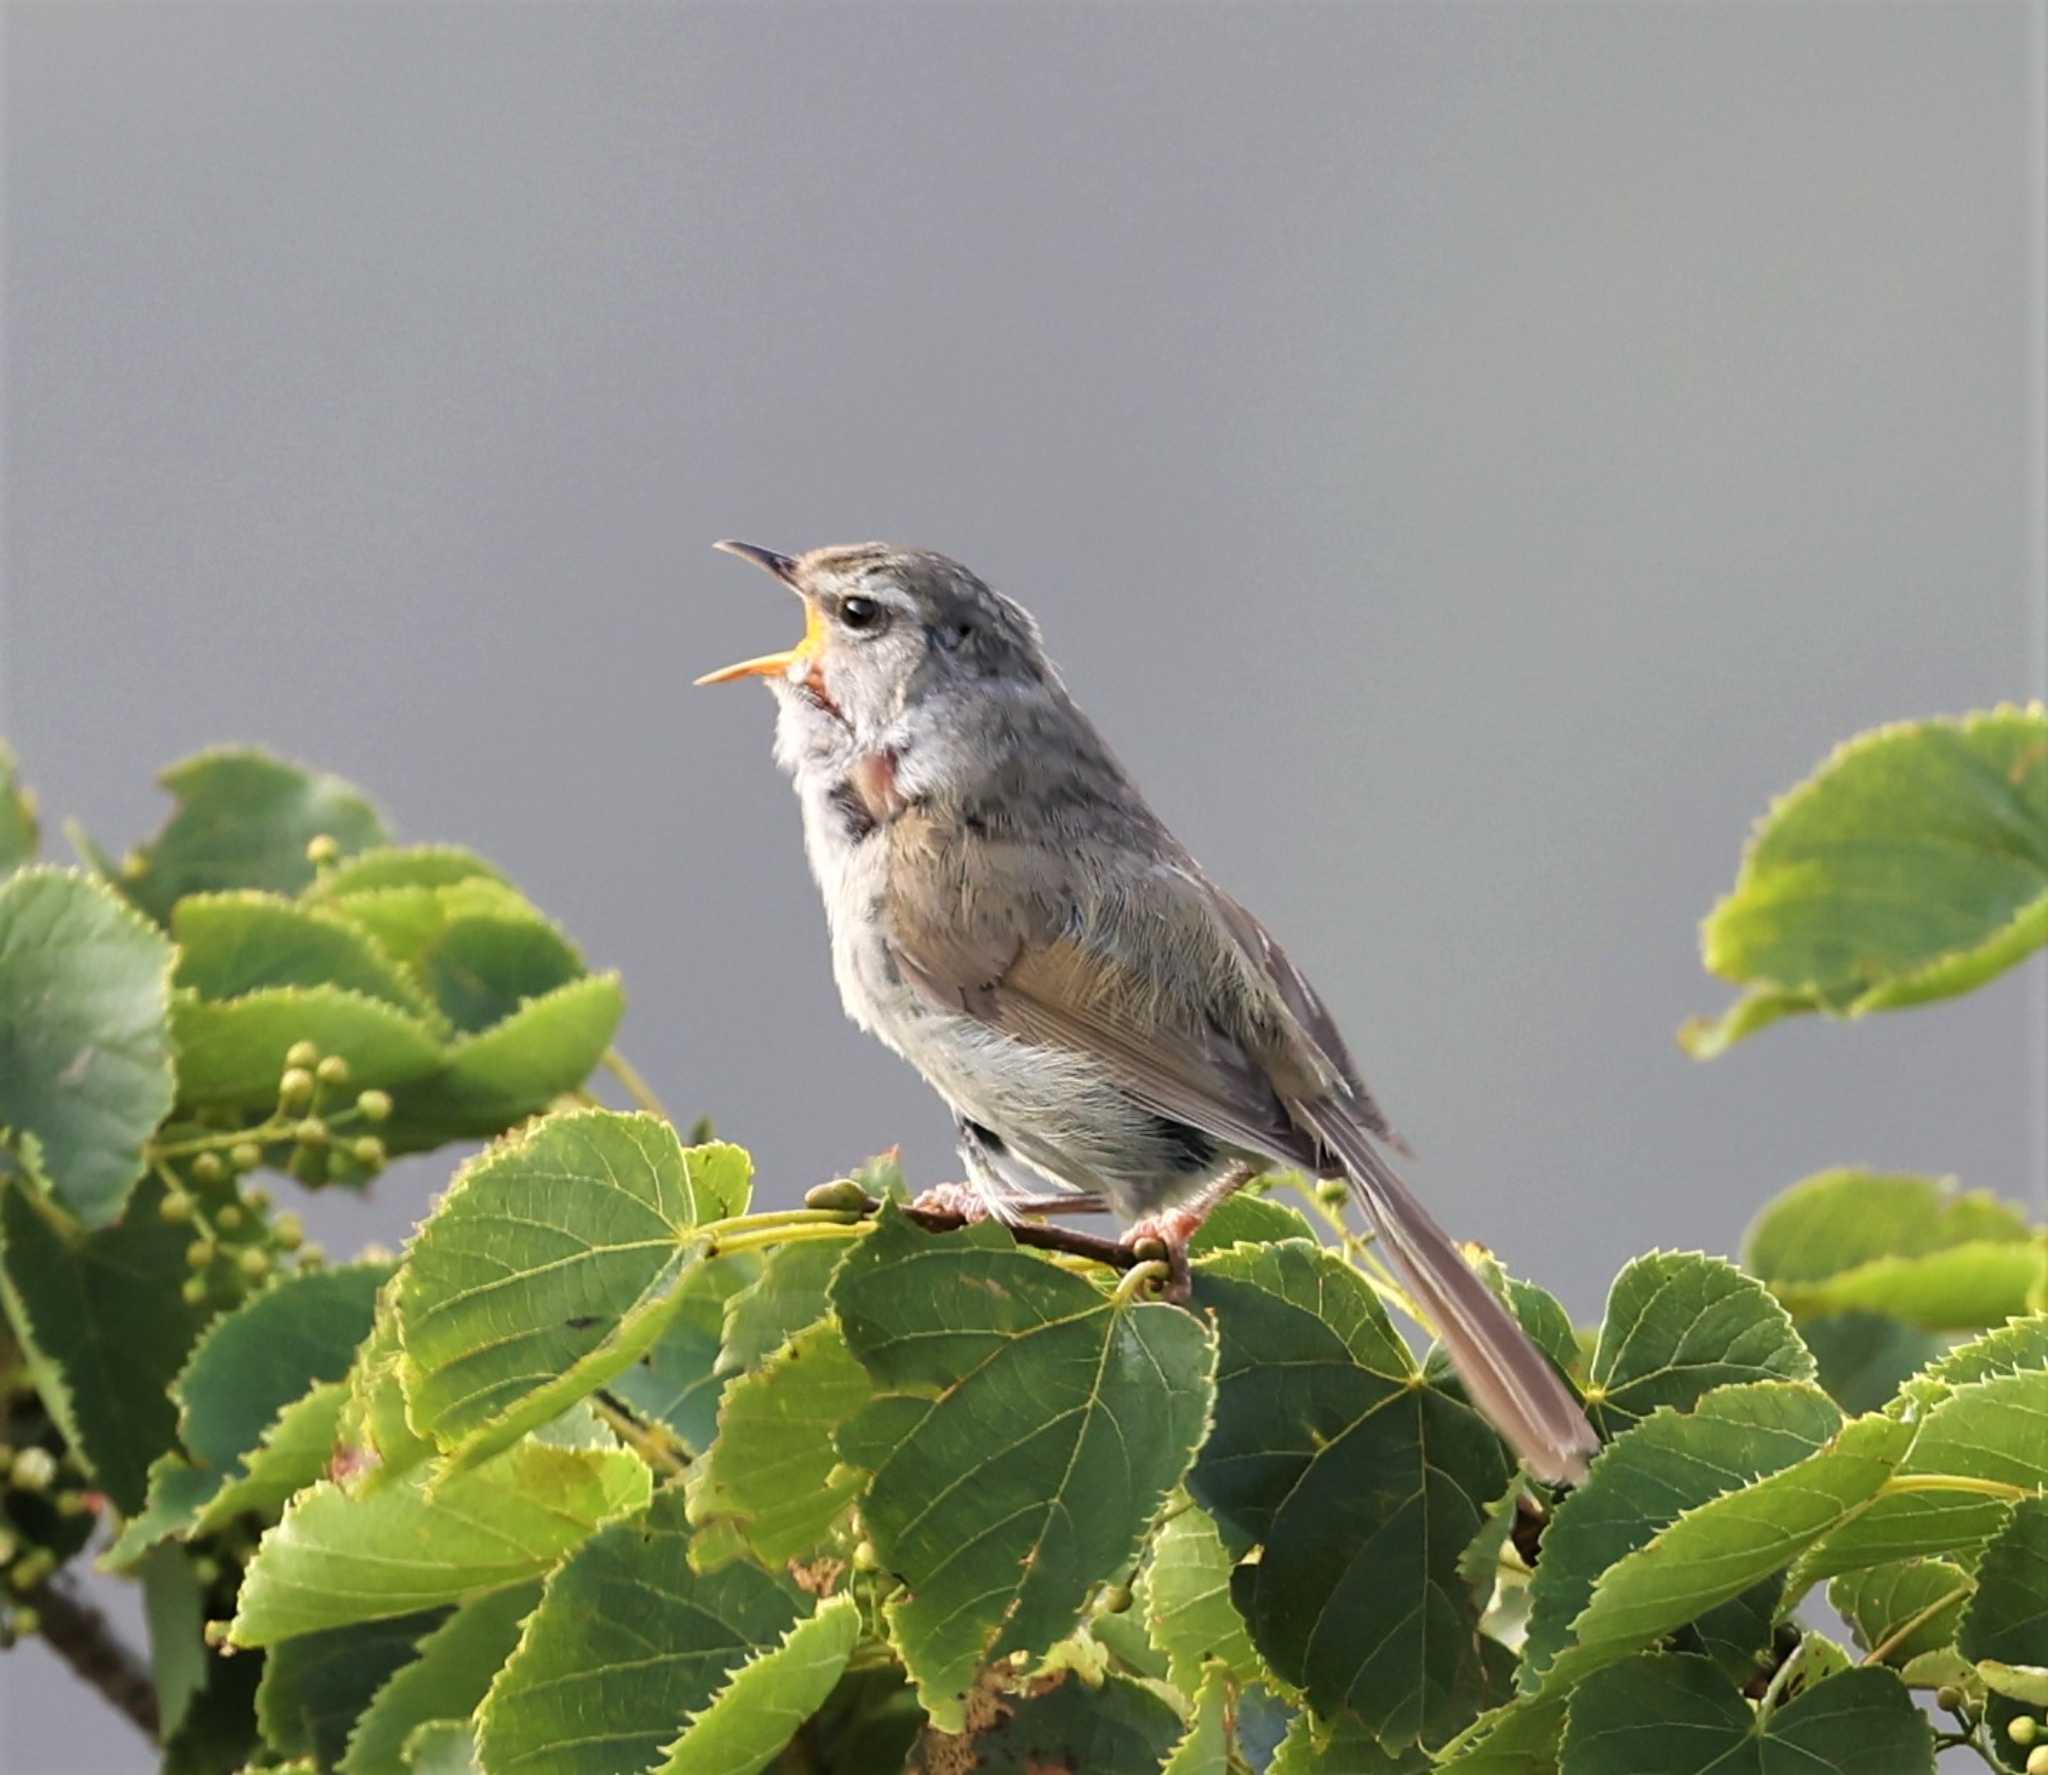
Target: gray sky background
{"points": [[1467, 458]]}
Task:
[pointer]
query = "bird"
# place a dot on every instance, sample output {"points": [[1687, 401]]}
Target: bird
{"points": [[1109, 1027]]}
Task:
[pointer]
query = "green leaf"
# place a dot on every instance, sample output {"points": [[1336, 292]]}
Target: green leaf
{"points": [[219, 1728], [627, 1643], [481, 970], [408, 918], [1667, 1714], [1343, 1749], [176, 1612], [18, 827], [1028, 1429], [1188, 1611], [314, 1688], [678, 1381], [337, 1559], [1687, 1512], [1903, 1610], [264, 1355], [103, 1329], [231, 1054], [788, 1294], [2006, 1622], [549, 1267], [2018, 1682], [1913, 1248], [763, 1703], [2012, 1348], [244, 820], [1249, 1219], [1862, 1359], [1912, 866], [85, 1058], [514, 1069], [234, 943], [1205, 1748], [245, 1391], [1122, 1728], [772, 1478], [374, 1438], [1994, 1429], [1520, 1738], [1364, 1484], [1678, 1325], [411, 865], [446, 1681]]}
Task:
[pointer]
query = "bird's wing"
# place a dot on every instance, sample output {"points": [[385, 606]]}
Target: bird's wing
{"points": [[1122, 994]]}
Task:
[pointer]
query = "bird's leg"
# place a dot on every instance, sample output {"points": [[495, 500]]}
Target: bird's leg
{"points": [[1175, 1227]]}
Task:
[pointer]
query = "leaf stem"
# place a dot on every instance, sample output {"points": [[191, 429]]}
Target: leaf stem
{"points": [[1912, 1625], [838, 1227], [636, 1087], [1962, 1482], [655, 1444]]}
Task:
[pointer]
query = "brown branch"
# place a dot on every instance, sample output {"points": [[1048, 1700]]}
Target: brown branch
{"points": [[1042, 1235], [80, 1635]]}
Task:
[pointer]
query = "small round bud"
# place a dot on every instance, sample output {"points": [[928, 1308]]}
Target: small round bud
{"points": [[2037, 1760], [34, 1469], [866, 1558], [1149, 1250], [376, 1105], [72, 1503], [10, 1545], [289, 1232], [313, 1257], [24, 1621], [193, 1292], [332, 1071], [295, 1089], [208, 1168], [206, 1569], [32, 1568], [1948, 1698], [2023, 1729], [254, 1262], [302, 1054], [200, 1253], [175, 1208], [258, 1199], [842, 1196], [322, 850], [311, 1132], [245, 1155], [368, 1152], [134, 866], [1332, 1190], [1114, 1600], [229, 1217]]}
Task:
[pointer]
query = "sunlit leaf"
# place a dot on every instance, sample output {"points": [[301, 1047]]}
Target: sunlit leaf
{"points": [[1027, 1429]]}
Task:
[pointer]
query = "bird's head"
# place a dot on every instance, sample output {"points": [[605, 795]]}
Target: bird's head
{"points": [[886, 630]]}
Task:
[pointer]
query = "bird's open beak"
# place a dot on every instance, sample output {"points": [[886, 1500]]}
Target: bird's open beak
{"points": [[772, 665]]}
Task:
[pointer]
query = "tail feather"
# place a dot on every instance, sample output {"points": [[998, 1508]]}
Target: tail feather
{"points": [[1509, 1379]]}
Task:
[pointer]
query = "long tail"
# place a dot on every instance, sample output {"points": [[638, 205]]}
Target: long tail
{"points": [[1509, 1379]]}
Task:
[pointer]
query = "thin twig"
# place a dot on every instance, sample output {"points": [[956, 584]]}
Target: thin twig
{"points": [[1040, 1235], [80, 1635], [637, 1088]]}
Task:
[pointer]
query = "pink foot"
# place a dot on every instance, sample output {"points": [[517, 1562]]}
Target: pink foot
{"points": [[961, 1199], [1172, 1228]]}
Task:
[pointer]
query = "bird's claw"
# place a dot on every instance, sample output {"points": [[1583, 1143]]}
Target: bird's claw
{"points": [[959, 1199]]}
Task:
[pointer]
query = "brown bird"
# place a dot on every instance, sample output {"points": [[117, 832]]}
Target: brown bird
{"points": [[1108, 1026]]}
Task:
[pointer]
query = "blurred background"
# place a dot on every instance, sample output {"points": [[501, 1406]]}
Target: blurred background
{"points": [[1467, 458]]}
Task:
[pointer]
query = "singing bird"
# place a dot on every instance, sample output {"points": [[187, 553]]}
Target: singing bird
{"points": [[1109, 1027]]}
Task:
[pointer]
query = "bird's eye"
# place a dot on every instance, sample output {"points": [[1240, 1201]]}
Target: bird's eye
{"points": [[861, 615]]}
